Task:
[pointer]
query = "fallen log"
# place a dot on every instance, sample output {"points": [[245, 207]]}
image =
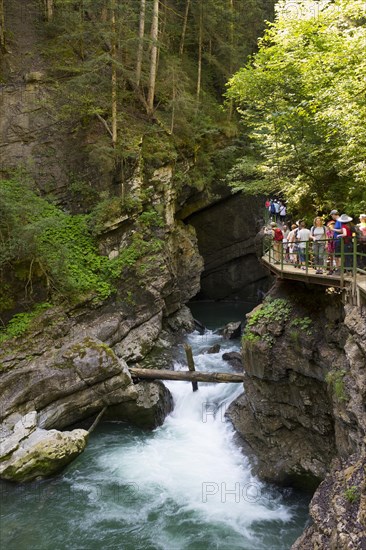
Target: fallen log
{"points": [[187, 376]]}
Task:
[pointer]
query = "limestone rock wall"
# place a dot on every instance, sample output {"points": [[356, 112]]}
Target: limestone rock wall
{"points": [[226, 232], [302, 415]]}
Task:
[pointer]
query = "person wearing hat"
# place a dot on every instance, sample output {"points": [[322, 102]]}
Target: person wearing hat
{"points": [[337, 225], [346, 235]]}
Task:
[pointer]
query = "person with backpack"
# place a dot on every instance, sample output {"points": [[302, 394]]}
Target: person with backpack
{"points": [[346, 235], [272, 209], [318, 234], [277, 237], [277, 242]]}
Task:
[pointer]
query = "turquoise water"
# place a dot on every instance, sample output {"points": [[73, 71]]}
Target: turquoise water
{"points": [[184, 486]]}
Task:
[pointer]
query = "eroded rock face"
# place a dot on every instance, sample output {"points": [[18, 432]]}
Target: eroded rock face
{"points": [[154, 402], [74, 362], [338, 509], [65, 385], [303, 411], [226, 232], [304, 386]]}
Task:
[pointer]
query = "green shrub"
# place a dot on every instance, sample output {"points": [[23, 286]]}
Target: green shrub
{"points": [[21, 322], [335, 380], [39, 240], [277, 310], [352, 493], [272, 311], [304, 324]]}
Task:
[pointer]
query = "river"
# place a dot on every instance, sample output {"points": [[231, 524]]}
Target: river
{"points": [[184, 486]]}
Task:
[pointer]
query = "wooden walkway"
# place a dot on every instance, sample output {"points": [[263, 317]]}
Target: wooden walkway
{"points": [[356, 283]]}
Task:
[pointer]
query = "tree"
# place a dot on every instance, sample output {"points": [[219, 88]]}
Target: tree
{"points": [[153, 57], [303, 96], [48, 7], [200, 49], [140, 49], [2, 28], [184, 28], [114, 72]]}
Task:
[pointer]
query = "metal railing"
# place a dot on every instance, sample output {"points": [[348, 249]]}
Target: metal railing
{"points": [[347, 260]]}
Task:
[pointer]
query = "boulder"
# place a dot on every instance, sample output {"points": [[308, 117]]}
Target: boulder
{"points": [[30, 452], [153, 404], [235, 360], [231, 331], [213, 349]]}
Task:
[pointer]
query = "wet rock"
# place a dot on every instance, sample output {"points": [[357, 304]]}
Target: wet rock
{"points": [[201, 329], [235, 360], [213, 349], [231, 331], [181, 321], [149, 410], [31, 452], [304, 385]]}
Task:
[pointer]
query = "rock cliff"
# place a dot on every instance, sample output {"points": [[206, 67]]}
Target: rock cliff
{"points": [[226, 232], [73, 363], [304, 355]]}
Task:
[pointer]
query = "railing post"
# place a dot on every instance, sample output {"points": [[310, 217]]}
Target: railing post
{"points": [[354, 244], [281, 255], [307, 257], [342, 261], [354, 271]]}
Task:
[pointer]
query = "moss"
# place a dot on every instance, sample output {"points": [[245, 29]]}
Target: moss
{"points": [[335, 379], [352, 494]]}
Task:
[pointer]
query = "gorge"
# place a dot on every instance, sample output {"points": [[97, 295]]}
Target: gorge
{"points": [[104, 244]]}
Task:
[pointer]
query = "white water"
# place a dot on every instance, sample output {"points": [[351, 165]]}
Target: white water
{"points": [[187, 485]]}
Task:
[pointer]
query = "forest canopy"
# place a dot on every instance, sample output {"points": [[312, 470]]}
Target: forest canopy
{"points": [[303, 97]]}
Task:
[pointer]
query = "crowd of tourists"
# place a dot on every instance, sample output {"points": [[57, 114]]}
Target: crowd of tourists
{"points": [[277, 210], [321, 246]]}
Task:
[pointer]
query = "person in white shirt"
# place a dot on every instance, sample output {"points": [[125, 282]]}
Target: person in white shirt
{"points": [[283, 212], [303, 237]]}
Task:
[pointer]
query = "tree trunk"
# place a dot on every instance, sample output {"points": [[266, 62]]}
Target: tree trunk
{"points": [[114, 73], [157, 374], [231, 62], [200, 47], [153, 57], [184, 30], [49, 9], [140, 49], [174, 93], [2, 28]]}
